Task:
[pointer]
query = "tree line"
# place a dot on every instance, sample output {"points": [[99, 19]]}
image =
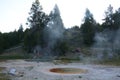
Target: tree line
{"points": [[8, 40], [47, 32]]}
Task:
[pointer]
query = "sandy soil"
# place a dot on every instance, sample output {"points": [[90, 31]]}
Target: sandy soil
{"points": [[27, 70]]}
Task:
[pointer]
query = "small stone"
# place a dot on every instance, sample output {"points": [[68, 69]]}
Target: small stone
{"points": [[12, 71], [80, 76], [36, 78], [118, 75]]}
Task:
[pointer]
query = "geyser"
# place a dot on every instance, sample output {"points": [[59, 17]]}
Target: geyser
{"points": [[68, 70]]}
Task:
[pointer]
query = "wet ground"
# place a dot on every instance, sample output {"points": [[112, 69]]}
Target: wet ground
{"points": [[31, 70]]}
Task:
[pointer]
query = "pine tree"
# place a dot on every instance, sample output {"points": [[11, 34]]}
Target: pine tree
{"points": [[20, 33], [56, 30], [56, 23], [116, 20], [108, 21], [37, 21], [1, 43], [88, 28]]}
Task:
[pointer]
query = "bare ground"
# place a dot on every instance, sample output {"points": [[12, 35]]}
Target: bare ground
{"points": [[31, 70]]}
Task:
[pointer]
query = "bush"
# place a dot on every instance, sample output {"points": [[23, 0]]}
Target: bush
{"points": [[61, 48]]}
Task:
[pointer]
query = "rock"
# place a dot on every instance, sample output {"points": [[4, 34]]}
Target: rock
{"points": [[12, 71], [79, 76], [20, 74], [16, 73], [118, 75]]}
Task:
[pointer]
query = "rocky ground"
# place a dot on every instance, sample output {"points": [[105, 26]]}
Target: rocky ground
{"points": [[31, 70]]}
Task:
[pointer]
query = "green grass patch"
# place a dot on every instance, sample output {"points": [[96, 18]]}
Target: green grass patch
{"points": [[67, 60], [14, 53], [114, 62], [70, 59], [2, 68], [16, 56], [4, 76]]}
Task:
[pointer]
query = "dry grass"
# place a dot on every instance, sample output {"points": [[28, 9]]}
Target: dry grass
{"points": [[4, 76], [15, 53], [113, 62]]}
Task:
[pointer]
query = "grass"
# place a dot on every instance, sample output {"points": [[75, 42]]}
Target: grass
{"points": [[65, 60], [69, 59], [17, 53], [2, 68], [110, 62], [113, 62], [4, 76], [16, 56]]}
